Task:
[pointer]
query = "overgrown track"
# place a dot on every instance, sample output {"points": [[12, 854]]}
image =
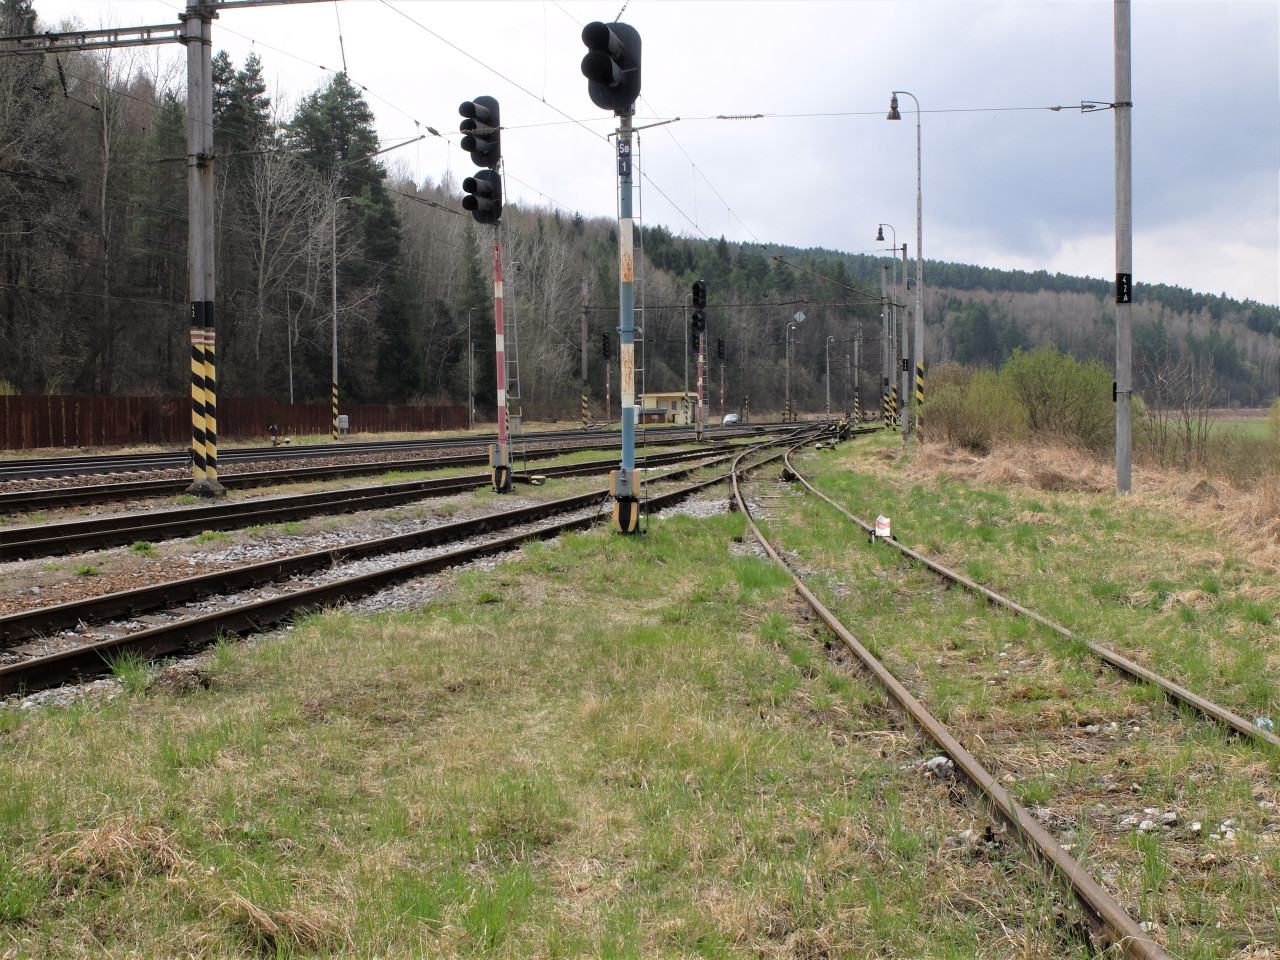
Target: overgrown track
{"points": [[1135, 671], [1110, 922], [94, 658], [37, 468], [73, 536]]}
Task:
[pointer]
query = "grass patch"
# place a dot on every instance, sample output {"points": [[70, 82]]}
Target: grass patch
{"points": [[86, 570], [143, 548], [212, 536]]}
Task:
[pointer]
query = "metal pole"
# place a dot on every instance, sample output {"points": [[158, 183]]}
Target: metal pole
{"points": [[334, 380], [583, 334], [702, 358], [904, 376], [198, 40], [884, 344], [846, 385], [499, 456], [857, 376], [206, 216], [626, 486], [471, 376], [828, 345], [1124, 251], [786, 412]]}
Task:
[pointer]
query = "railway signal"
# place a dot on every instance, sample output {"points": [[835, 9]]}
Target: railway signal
{"points": [[483, 196], [482, 131], [612, 69], [720, 348], [612, 65], [604, 345]]}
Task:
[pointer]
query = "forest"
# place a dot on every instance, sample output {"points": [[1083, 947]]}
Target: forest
{"points": [[93, 291]]}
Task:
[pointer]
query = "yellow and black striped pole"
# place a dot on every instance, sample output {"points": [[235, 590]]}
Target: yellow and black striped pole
{"points": [[199, 471], [896, 404], [857, 410], [920, 402], [210, 401], [746, 409], [334, 417], [584, 406]]}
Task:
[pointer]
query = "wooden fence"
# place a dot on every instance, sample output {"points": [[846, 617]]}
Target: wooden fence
{"points": [[31, 422]]}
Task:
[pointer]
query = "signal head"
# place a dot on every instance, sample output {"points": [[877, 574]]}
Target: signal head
{"points": [[699, 293], [482, 128], [483, 196], [612, 65]]}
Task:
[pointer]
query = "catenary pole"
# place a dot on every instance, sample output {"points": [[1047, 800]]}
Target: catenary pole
{"points": [[1124, 251]]}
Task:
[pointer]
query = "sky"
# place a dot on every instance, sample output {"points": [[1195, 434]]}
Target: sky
{"points": [[1004, 181]]}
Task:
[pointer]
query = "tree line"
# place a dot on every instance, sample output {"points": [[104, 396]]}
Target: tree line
{"points": [[93, 294]]}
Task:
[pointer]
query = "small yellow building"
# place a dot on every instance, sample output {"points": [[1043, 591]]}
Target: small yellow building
{"points": [[678, 407]]}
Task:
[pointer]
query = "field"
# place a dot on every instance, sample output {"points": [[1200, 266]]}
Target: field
{"points": [[636, 747]]}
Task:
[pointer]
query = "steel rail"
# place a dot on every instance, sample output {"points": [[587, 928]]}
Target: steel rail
{"points": [[95, 658], [36, 622], [1110, 922], [1113, 659], [72, 536], [40, 468], [26, 501]]}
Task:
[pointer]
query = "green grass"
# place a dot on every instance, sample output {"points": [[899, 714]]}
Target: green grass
{"points": [[540, 764], [212, 536], [86, 570], [143, 548]]}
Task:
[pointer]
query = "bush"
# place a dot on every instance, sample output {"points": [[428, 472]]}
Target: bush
{"points": [[971, 408], [1063, 398]]}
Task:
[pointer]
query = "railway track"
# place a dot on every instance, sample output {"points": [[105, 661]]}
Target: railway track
{"points": [[39, 540], [33, 500], [1111, 924], [230, 457], [91, 658]]}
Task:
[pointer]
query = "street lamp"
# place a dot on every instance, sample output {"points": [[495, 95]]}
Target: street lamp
{"points": [[828, 347], [335, 314], [919, 331]]}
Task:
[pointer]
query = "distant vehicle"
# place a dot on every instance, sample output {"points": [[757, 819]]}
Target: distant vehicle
{"points": [[730, 418]]}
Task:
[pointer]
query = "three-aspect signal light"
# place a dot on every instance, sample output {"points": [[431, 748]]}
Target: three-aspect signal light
{"points": [[698, 319], [720, 348], [695, 341], [483, 196], [612, 65], [481, 130], [604, 345]]}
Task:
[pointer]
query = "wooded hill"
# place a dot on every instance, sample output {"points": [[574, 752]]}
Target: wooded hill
{"points": [[93, 291]]}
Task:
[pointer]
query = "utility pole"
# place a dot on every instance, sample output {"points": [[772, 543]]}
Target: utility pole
{"points": [[583, 332], [884, 346], [1124, 251], [197, 22], [612, 69], [195, 31], [905, 375]]}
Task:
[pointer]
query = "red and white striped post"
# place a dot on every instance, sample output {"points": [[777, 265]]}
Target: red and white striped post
{"points": [[499, 454]]}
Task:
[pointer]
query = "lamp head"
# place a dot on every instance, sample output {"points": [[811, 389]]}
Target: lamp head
{"points": [[880, 233], [893, 108]]}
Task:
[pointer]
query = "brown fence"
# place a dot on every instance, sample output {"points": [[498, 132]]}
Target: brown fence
{"points": [[30, 422]]}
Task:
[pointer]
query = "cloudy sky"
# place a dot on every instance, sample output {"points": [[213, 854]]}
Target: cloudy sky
{"points": [[1006, 182]]}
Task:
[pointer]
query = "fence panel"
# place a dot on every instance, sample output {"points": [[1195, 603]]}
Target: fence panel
{"points": [[28, 423]]}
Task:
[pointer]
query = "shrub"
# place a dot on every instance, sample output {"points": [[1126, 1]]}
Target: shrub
{"points": [[1062, 397], [971, 408]]}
